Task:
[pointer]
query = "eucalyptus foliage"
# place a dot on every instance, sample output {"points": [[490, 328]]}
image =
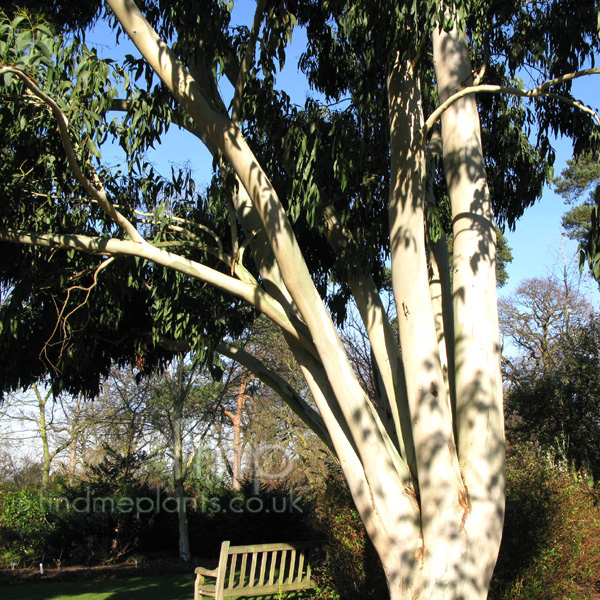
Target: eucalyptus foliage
{"points": [[55, 318], [308, 207]]}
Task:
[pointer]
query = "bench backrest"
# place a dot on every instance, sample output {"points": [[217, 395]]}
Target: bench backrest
{"points": [[268, 568]]}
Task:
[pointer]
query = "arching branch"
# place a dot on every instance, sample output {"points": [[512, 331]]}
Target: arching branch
{"points": [[254, 295], [537, 92], [95, 191]]}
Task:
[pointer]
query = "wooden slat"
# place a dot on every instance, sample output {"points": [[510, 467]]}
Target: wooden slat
{"points": [[292, 573], [263, 566], [283, 559], [253, 569], [269, 589], [273, 557], [221, 570], [243, 570], [271, 547], [231, 583], [301, 567]]}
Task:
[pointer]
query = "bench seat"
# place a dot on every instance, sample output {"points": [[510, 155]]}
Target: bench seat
{"points": [[260, 569]]}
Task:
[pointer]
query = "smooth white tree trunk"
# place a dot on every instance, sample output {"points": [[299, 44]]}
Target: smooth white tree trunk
{"points": [[431, 493], [479, 412]]}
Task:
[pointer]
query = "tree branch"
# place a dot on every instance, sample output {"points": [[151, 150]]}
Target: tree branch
{"points": [[281, 387], [538, 92], [97, 193], [252, 294]]}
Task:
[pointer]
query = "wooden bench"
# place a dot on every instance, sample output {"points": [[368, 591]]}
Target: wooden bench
{"points": [[260, 569]]}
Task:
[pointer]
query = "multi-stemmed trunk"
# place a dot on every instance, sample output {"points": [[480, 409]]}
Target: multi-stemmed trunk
{"points": [[427, 480]]}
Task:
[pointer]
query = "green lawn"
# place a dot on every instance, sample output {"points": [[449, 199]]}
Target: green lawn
{"points": [[165, 587]]}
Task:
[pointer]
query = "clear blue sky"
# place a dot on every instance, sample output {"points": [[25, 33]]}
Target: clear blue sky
{"points": [[536, 241]]}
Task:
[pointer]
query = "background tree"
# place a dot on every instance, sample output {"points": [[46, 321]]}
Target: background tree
{"points": [[560, 409], [582, 176], [320, 195], [576, 183], [550, 338], [534, 321], [56, 424], [589, 250], [174, 408]]}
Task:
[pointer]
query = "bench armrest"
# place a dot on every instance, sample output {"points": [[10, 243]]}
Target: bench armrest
{"points": [[206, 572], [201, 574]]}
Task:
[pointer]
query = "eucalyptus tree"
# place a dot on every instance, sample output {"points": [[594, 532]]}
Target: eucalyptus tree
{"points": [[306, 207], [559, 409]]}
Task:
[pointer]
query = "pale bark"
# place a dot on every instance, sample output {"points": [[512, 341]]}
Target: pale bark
{"points": [[387, 488], [383, 344], [430, 489], [440, 484], [441, 301], [479, 414], [458, 92], [251, 293]]}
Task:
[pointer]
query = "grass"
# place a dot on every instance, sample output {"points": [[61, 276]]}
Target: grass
{"points": [[164, 587]]}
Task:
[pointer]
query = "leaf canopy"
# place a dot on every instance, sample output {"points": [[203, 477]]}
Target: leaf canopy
{"points": [[67, 315]]}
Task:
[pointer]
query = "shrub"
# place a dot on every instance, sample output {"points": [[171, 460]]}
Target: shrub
{"points": [[353, 570], [24, 527], [274, 514], [90, 522], [551, 543], [97, 523]]}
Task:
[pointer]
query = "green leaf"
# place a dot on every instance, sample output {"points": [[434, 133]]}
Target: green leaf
{"points": [[93, 149]]}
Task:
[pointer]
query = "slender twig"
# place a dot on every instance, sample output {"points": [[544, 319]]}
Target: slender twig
{"points": [[63, 318]]}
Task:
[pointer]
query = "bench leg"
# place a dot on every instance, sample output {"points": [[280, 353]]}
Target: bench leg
{"points": [[197, 585]]}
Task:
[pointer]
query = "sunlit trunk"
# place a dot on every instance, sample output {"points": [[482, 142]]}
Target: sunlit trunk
{"points": [[441, 490], [479, 413]]}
